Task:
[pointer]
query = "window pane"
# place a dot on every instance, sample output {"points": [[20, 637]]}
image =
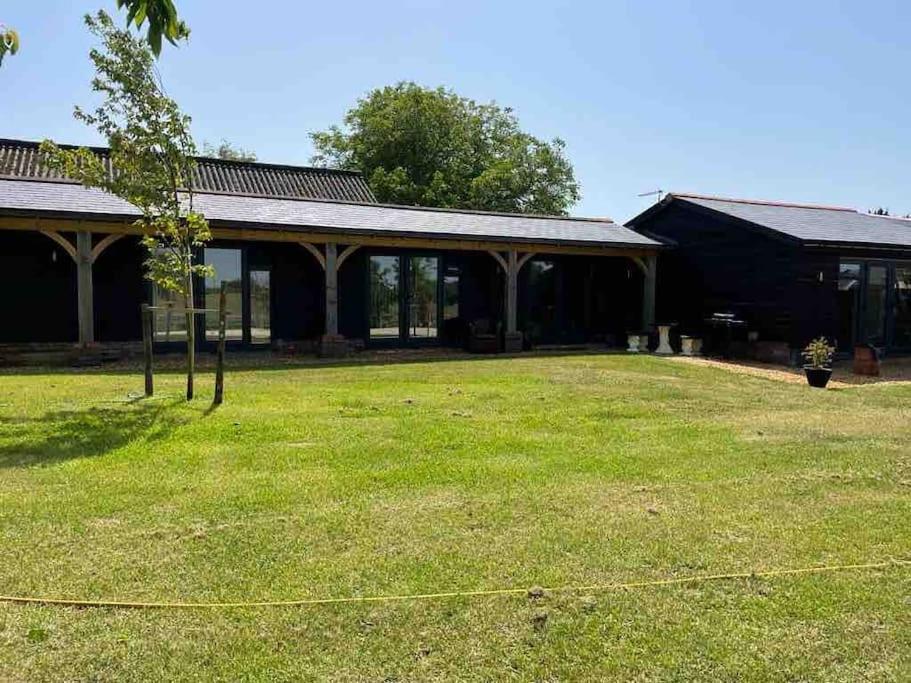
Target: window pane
{"points": [[384, 296], [227, 264], [875, 315], [903, 306], [425, 274], [260, 307], [542, 301], [451, 293], [849, 286], [170, 324]]}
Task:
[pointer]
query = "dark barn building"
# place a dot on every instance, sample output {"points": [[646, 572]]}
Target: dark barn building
{"points": [[312, 261], [792, 272]]}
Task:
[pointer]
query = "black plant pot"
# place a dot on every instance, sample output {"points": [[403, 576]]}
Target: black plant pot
{"points": [[817, 377]]}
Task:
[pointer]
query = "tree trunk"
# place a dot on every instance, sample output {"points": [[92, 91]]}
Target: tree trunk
{"points": [[191, 336]]}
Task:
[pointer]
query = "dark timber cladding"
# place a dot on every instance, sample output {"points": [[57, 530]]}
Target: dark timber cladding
{"points": [[301, 261], [792, 271]]}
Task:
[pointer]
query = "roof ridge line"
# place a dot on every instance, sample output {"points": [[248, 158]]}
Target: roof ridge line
{"points": [[322, 200], [412, 207], [762, 202]]}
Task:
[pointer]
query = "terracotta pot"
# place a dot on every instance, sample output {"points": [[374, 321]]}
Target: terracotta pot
{"points": [[817, 377]]}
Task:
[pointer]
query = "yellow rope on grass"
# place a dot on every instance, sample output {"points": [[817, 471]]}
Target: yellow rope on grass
{"points": [[697, 578]]}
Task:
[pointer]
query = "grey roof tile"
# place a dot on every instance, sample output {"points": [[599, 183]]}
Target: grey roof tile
{"points": [[22, 159], [25, 197], [813, 223]]}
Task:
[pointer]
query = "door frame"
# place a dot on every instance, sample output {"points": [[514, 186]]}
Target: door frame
{"points": [[889, 303], [404, 338], [199, 301]]}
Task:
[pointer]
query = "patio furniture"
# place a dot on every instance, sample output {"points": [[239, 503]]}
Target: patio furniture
{"points": [[722, 327], [866, 360], [483, 336]]}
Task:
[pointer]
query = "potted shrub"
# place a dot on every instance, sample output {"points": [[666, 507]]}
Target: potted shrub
{"points": [[818, 368]]}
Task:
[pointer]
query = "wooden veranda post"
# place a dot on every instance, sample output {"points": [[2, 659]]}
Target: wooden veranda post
{"points": [[512, 288], [331, 290], [648, 293], [86, 313], [220, 354], [147, 347]]}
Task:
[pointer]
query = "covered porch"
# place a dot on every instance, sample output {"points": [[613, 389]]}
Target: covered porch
{"points": [[327, 276]]}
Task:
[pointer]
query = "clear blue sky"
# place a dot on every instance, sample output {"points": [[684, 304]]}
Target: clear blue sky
{"points": [[799, 100]]}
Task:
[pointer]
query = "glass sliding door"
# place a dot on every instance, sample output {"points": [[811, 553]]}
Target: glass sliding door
{"points": [[875, 301], [423, 298], [541, 301], [228, 266], [260, 302], [404, 302], [849, 288], [384, 298], [901, 308]]}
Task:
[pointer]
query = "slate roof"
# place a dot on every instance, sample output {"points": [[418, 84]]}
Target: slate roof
{"points": [[21, 159], [47, 199], [808, 223]]}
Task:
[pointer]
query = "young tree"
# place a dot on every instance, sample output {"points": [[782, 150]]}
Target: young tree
{"points": [[152, 157], [434, 148]]}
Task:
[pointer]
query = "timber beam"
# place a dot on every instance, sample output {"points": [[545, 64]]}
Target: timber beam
{"points": [[322, 237]]}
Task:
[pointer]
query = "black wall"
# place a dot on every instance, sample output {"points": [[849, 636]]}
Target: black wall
{"points": [[720, 264], [37, 290], [120, 289]]}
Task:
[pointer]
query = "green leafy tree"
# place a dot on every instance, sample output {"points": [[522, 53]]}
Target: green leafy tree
{"points": [[161, 16], [225, 150], [432, 147], [152, 154], [9, 42]]}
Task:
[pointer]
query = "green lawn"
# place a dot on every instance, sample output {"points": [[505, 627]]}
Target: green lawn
{"points": [[462, 475]]}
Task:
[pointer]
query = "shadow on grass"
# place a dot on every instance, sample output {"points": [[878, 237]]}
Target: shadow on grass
{"points": [[62, 435], [246, 360]]}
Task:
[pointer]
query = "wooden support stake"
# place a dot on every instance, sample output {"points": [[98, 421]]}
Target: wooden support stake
{"points": [[220, 354], [147, 347]]}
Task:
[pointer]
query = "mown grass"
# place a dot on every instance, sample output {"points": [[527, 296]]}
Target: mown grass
{"points": [[463, 475]]}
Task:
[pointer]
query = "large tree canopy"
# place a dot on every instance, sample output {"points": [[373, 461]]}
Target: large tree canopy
{"points": [[431, 147]]}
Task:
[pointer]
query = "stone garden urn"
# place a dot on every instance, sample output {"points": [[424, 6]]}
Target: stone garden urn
{"points": [[686, 346], [664, 341], [632, 342]]}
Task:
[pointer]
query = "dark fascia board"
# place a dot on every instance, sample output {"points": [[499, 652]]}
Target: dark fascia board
{"points": [[661, 206], [343, 232], [867, 246]]}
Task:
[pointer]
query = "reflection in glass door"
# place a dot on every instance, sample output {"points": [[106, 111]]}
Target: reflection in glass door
{"points": [[423, 301], [260, 307], [849, 287], [902, 308], [874, 322], [228, 268], [385, 310]]}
